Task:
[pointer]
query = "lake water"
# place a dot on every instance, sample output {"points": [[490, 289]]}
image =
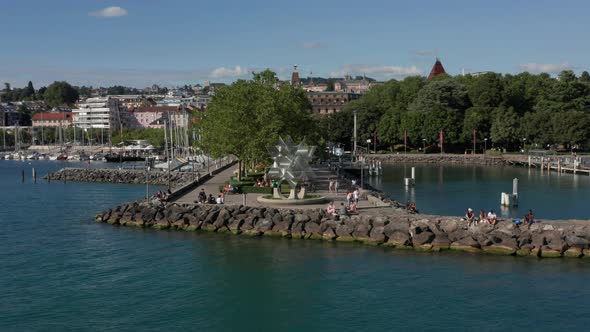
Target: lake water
{"points": [[451, 189], [60, 271]]}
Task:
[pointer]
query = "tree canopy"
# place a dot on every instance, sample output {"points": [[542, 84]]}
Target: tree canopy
{"points": [[249, 115], [60, 93], [508, 110]]}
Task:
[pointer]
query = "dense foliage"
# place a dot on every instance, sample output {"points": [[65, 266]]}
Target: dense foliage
{"points": [[508, 110], [247, 116]]}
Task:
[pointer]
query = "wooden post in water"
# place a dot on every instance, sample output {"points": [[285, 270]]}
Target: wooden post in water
{"points": [[34, 176], [23, 176], [529, 161], [559, 165], [542, 163]]}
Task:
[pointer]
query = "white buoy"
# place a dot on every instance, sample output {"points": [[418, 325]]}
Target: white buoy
{"points": [[505, 199], [515, 191], [409, 182], [413, 173]]}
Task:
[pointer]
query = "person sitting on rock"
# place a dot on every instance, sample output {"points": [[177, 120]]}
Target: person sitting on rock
{"points": [[470, 216], [342, 210], [529, 218], [219, 199], [211, 199], [202, 198], [352, 208], [482, 216], [331, 210], [492, 217]]}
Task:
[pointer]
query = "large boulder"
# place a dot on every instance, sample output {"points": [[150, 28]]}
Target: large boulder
{"points": [[282, 228], [466, 244], [344, 232], [576, 241], [400, 240], [441, 242], [376, 236], [313, 231], [361, 232]]}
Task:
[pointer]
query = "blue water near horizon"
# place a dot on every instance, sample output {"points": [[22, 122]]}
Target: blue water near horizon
{"points": [[61, 271]]}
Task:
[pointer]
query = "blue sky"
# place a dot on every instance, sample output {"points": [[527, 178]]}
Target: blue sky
{"points": [[142, 42]]}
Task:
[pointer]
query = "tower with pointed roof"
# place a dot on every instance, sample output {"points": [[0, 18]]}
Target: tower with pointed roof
{"points": [[295, 77], [437, 69]]}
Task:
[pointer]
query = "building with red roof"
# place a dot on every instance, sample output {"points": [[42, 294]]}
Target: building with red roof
{"points": [[437, 69], [52, 119]]}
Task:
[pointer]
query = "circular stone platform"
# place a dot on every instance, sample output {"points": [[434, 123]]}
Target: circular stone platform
{"points": [[306, 201]]}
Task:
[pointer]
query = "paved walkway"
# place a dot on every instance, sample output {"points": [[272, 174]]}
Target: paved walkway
{"points": [[321, 180]]}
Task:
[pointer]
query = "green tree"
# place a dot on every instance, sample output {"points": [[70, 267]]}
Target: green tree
{"points": [[247, 116], [442, 93], [60, 93], [505, 128], [585, 77], [571, 127], [28, 92], [477, 118], [389, 127]]}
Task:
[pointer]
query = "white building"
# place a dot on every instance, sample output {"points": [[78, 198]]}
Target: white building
{"points": [[100, 112]]}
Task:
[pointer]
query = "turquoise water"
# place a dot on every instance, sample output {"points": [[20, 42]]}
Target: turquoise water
{"points": [[60, 271], [451, 189]]}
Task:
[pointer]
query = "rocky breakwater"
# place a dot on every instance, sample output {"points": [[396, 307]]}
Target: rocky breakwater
{"points": [[112, 175], [448, 159], [398, 230]]}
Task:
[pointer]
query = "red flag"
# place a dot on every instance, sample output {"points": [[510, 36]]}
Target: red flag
{"points": [[405, 137], [474, 136], [441, 138]]}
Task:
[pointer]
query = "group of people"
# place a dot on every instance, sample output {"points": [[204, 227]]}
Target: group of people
{"points": [[333, 185], [162, 195], [490, 218], [352, 199], [202, 198], [343, 210]]}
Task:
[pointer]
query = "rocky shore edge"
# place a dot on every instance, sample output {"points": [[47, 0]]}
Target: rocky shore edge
{"points": [[113, 175], [397, 230], [458, 159]]}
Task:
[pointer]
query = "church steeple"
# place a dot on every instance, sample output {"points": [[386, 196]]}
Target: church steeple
{"points": [[437, 69]]}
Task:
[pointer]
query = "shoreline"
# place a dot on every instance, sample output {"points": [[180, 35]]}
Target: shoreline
{"points": [[393, 229]]}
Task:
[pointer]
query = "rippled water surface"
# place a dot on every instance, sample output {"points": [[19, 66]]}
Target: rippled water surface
{"points": [[451, 189], [60, 271]]}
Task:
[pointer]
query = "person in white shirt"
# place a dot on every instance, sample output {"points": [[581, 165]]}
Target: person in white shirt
{"points": [[355, 194], [492, 217], [219, 200]]}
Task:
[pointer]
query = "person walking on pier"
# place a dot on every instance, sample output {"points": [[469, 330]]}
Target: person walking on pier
{"points": [[336, 184]]}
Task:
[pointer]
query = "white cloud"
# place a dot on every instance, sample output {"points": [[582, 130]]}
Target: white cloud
{"points": [[108, 12], [550, 68], [223, 72], [312, 45], [376, 71]]}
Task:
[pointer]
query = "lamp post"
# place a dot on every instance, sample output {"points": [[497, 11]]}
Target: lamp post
{"points": [[424, 145], [485, 145], [523, 144]]}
